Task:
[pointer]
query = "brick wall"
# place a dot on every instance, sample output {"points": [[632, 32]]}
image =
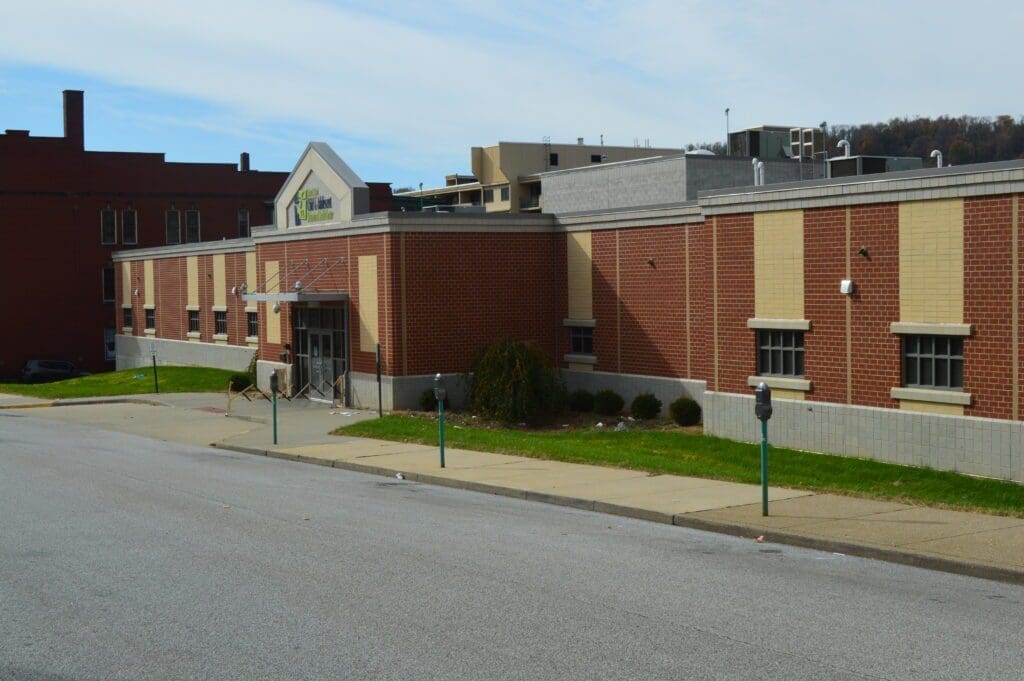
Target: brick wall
{"points": [[737, 359], [987, 305], [824, 266], [876, 303]]}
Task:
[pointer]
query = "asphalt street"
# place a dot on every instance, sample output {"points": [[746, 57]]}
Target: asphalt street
{"points": [[123, 557]]}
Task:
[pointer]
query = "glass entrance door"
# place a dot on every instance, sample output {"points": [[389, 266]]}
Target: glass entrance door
{"points": [[321, 366]]}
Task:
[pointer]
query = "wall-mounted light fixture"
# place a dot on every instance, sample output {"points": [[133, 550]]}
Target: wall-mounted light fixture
{"points": [[863, 250], [846, 287], [277, 307], [136, 293], [650, 262]]}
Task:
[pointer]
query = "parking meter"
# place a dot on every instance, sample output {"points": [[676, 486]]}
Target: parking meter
{"points": [[763, 401], [763, 411], [273, 382], [273, 398], [440, 394]]}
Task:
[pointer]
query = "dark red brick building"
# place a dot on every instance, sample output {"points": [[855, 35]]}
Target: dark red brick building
{"points": [[64, 210]]}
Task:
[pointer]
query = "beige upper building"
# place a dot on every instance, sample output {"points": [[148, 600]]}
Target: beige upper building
{"points": [[506, 176]]}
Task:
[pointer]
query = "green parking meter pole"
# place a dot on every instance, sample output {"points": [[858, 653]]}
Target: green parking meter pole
{"points": [[440, 394], [764, 467], [273, 400], [763, 411], [156, 380]]}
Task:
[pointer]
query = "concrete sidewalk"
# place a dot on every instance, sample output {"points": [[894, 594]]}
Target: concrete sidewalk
{"points": [[968, 543]]}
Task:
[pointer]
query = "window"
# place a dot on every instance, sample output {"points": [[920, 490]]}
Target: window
{"points": [[192, 226], [108, 284], [110, 345], [552, 159], [126, 317], [488, 196], [581, 340], [252, 324], [596, 158], [130, 227], [504, 193], [173, 222], [780, 353], [193, 321], [933, 361], [108, 226], [150, 318], [243, 222], [220, 323]]}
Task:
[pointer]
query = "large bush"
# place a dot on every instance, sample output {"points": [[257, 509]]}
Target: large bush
{"points": [[608, 403], [645, 406], [581, 401], [685, 411], [513, 381]]}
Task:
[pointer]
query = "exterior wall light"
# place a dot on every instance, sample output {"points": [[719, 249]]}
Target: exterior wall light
{"points": [[846, 287]]}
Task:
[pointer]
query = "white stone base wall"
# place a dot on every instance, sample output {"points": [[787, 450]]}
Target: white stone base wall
{"points": [[263, 371], [668, 390], [403, 392], [976, 446], [133, 352]]}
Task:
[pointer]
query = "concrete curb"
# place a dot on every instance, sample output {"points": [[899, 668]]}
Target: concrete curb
{"points": [[83, 401], [885, 554]]}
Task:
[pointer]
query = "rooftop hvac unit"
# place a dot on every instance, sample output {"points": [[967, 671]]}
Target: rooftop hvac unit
{"points": [[795, 143]]}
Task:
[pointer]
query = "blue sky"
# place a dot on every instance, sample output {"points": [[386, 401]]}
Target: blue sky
{"points": [[402, 90]]}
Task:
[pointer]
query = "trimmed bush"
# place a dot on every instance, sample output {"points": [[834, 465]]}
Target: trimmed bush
{"points": [[581, 401], [240, 381], [685, 411], [514, 382], [608, 402], [645, 406]]}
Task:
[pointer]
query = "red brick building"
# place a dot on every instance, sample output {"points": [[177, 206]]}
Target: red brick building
{"points": [[885, 313], [64, 210]]}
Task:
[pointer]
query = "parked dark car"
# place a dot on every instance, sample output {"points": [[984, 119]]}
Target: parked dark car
{"points": [[42, 370]]}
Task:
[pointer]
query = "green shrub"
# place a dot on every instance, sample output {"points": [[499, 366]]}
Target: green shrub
{"points": [[685, 411], [240, 381], [581, 401], [645, 406], [514, 382], [608, 402]]}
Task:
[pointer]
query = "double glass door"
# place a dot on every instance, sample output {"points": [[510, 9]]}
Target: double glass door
{"points": [[320, 340]]}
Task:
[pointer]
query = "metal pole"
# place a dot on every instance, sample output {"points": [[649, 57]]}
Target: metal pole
{"points": [[764, 467], [274, 400], [380, 395], [440, 428], [156, 381]]}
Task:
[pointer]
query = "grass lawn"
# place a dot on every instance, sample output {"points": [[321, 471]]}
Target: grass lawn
{"points": [[681, 453], [127, 382]]}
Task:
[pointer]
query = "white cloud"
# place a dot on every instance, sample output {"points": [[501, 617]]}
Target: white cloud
{"points": [[418, 80]]}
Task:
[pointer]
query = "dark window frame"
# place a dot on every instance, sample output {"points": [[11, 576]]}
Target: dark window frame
{"points": [[581, 340], [933, 362], [505, 193], [151, 319], [553, 158], [176, 214], [135, 226], [189, 214], [488, 196], [252, 324], [780, 353], [127, 317], [243, 223], [109, 284], [106, 213], [193, 321], [220, 322]]}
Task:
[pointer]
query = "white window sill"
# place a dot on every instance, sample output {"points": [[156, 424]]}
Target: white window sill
{"points": [[931, 395], [252, 339], [126, 306], [127, 331], [580, 359], [219, 308], [150, 332], [922, 329], [250, 308], [149, 307], [779, 324], [193, 334], [192, 308], [220, 336], [780, 382]]}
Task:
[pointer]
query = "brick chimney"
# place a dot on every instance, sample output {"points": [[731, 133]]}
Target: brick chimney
{"points": [[74, 118], [243, 162]]}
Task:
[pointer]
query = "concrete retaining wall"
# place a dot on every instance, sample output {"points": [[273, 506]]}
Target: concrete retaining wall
{"points": [[986, 447], [133, 351], [668, 390]]}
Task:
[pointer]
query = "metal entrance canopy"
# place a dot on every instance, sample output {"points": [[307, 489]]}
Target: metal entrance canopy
{"points": [[297, 297]]}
